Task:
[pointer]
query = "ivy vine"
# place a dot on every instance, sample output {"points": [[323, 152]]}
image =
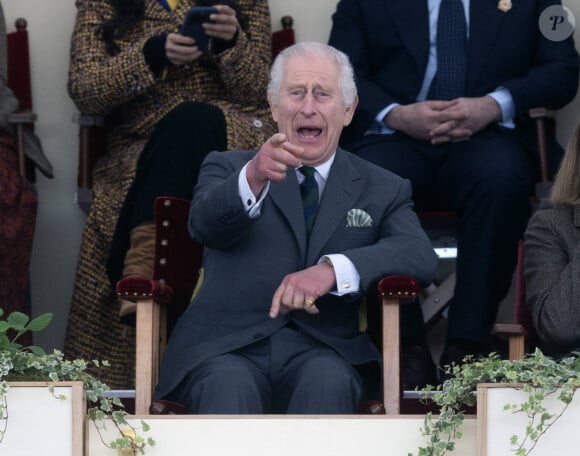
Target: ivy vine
{"points": [[538, 375], [31, 363]]}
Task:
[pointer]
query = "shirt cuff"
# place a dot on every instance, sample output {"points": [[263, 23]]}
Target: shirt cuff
{"points": [[347, 277], [252, 205], [378, 126], [504, 99]]}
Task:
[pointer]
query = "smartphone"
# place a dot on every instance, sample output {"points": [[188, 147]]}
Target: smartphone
{"points": [[191, 27]]}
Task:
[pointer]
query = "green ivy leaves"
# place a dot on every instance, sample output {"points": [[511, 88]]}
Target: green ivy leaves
{"points": [[538, 375], [19, 362]]}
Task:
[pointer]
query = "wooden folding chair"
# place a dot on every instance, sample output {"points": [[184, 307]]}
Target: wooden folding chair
{"points": [[178, 267]]}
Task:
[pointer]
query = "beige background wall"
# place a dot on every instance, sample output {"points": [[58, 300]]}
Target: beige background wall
{"points": [[60, 221]]}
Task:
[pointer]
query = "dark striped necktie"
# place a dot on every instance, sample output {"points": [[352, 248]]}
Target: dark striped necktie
{"points": [[449, 81], [309, 192]]}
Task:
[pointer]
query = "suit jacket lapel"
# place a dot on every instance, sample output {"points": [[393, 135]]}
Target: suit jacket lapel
{"points": [[485, 20], [286, 196], [411, 17], [343, 187]]}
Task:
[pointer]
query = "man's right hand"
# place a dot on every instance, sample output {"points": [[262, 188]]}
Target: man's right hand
{"points": [[272, 161]]}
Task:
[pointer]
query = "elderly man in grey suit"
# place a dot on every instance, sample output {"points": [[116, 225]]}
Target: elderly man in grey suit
{"points": [[273, 327]]}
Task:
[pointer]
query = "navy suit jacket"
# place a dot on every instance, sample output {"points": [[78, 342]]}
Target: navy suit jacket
{"points": [[246, 259], [388, 44]]}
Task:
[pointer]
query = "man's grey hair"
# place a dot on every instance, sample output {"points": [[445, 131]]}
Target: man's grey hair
{"points": [[315, 50]]}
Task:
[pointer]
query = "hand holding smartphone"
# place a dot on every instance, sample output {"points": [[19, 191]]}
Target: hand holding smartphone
{"points": [[191, 27]]}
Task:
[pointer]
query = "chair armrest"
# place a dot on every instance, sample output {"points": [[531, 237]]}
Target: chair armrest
{"points": [[19, 119], [399, 287], [509, 329], [139, 288]]}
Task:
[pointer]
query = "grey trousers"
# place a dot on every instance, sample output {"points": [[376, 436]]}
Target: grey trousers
{"points": [[288, 372]]}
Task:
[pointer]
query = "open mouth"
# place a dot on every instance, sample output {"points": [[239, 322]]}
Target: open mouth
{"points": [[309, 132]]}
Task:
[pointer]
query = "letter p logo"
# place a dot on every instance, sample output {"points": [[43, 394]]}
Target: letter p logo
{"points": [[557, 23]]}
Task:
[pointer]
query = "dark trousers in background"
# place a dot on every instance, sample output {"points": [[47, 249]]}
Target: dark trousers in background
{"points": [[487, 180]]}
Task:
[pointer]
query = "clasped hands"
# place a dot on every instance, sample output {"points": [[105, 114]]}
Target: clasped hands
{"points": [[444, 121], [181, 50]]}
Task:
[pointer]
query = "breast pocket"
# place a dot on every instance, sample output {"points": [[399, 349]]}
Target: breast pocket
{"points": [[356, 237]]}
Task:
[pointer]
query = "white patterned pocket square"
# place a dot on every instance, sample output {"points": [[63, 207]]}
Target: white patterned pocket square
{"points": [[357, 218]]}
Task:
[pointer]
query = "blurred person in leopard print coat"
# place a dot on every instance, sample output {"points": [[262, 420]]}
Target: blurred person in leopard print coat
{"points": [[166, 105]]}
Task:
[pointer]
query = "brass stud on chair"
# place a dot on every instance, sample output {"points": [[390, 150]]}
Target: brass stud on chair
{"points": [[163, 261], [167, 203], [165, 223], [164, 242]]}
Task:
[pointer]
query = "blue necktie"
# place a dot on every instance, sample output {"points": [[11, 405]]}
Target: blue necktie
{"points": [[449, 81], [309, 192]]}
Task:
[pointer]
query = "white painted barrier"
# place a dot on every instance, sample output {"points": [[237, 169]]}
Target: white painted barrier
{"points": [[284, 436]]}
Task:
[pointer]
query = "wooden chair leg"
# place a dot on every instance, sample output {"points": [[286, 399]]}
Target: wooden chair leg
{"points": [[147, 354], [394, 291], [516, 348], [20, 149], [391, 356]]}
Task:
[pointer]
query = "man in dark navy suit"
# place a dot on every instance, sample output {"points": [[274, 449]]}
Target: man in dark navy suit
{"points": [[445, 87]]}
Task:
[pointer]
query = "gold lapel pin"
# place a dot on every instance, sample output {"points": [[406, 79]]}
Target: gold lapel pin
{"points": [[504, 5]]}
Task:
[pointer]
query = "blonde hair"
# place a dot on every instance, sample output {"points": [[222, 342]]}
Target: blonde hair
{"points": [[566, 188]]}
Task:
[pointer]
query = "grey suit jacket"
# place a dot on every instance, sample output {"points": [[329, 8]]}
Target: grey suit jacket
{"points": [[552, 277], [246, 259]]}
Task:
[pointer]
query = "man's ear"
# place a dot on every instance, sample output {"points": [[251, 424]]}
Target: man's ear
{"points": [[273, 109], [349, 112]]}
